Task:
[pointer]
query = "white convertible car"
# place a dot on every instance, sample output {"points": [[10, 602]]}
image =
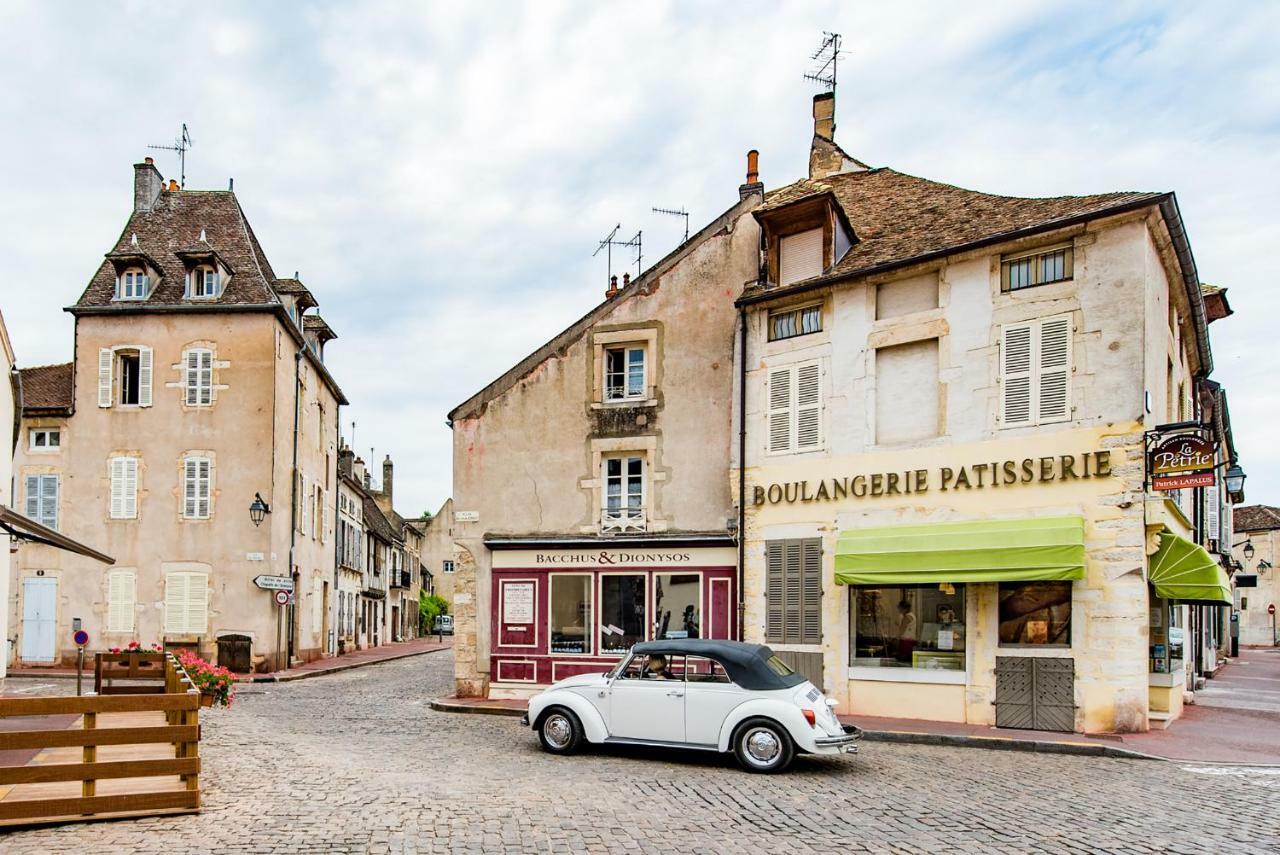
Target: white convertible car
{"points": [[695, 693]]}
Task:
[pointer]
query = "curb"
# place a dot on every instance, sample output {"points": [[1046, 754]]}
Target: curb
{"points": [[441, 705], [60, 675], [347, 666]]}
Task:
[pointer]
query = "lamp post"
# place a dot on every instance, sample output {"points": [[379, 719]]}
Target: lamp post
{"points": [[1248, 550], [1235, 480], [258, 510]]}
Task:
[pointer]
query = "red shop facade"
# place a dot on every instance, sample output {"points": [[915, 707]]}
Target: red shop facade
{"points": [[558, 609]]}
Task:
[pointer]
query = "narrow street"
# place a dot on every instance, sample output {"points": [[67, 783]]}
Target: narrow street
{"points": [[356, 762]]}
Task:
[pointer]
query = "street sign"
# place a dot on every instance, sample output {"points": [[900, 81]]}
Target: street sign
{"points": [[80, 637], [1271, 608], [282, 597], [273, 583]]}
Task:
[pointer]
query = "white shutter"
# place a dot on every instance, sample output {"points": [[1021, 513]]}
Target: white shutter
{"points": [[780, 409], [203, 466], [306, 507], [131, 487], [33, 497], [144, 377], [328, 515], [189, 488], [121, 597], [117, 487], [808, 406], [105, 359], [197, 611], [1054, 363], [800, 256], [49, 500], [206, 377], [175, 602], [1016, 347], [1212, 517], [191, 377]]}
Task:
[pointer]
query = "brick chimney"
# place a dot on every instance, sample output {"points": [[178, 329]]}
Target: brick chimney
{"points": [[147, 184], [358, 472], [824, 116], [753, 187], [388, 469], [346, 459], [612, 290]]}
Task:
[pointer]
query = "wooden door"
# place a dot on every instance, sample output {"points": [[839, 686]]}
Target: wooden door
{"points": [[1035, 693], [39, 618]]}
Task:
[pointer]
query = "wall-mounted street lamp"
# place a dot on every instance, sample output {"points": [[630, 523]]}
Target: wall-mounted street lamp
{"points": [[1264, 565], [1248, 550], [1235, 480], [258, 510]]}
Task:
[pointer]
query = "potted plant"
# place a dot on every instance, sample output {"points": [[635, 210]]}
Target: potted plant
{"points": [[216, 684]]}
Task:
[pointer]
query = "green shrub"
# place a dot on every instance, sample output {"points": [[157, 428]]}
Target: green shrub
{"points": [[430, 606]]}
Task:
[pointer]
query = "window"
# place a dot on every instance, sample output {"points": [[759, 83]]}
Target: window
{"points": [[42, 499], [623, 494], [800, 256], [124, 376], [133, 284], [793, 591], [45, 439], [202, 282], [196, 477], [908, 390], [1038, 268], [121, 600], [795, 408], [789, 323], [699, 669], [1035, 614], [124, 488], [447, 567], [622, 611], [908, 626], [570, 613], [186, 603], [655, 666], [677, 605], [1035, 372], [198, 377], [624, 373]]}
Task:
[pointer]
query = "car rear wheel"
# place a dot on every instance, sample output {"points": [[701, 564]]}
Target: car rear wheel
{"points": [[763, 746], [560, 732]]}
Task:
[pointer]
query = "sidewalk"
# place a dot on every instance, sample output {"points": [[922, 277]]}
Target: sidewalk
{"points": [[1235, 719]]}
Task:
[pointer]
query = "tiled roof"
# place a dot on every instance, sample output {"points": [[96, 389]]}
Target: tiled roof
{"points": [[1255, 518], [898, 217], [295, 287], [174, 225], [375, 520], [47, 387], [316, 324]]}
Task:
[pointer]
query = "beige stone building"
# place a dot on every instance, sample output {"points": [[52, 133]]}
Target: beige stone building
{"points": [[197, 386], [947, 509], [437, 550], [1257, 548]]}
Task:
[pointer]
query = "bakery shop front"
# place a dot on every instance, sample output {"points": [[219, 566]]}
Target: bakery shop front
{"points": [[559, 608]]}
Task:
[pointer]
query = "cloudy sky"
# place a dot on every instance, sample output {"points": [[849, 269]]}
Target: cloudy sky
{"points": [[439, 174]]}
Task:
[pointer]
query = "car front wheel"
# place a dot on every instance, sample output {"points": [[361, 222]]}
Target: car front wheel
{"points": [[560, 731], [764, 746]]}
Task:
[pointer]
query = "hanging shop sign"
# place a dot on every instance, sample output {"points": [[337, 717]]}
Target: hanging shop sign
{"points": [[1181, 460]]}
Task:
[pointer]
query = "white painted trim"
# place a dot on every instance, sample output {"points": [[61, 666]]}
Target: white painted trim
{"points": [[702, 588], [502, 591], [607, 664], [528, 662]]}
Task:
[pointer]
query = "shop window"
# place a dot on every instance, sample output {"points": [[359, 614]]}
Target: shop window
{"points": [[570, 613], [1035, 614], [789, 323], [677, 605], [622, 611], [793, 591], [624, 373], [910, 626]]}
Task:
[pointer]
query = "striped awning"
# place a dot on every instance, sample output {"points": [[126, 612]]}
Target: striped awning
{"points": [[1182, 570], [1016, 550]]}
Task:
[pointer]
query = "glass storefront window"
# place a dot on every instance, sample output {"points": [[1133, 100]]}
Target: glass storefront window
{"points": [[1035, 614], [677, 605], [622, 611], [908, 626], [570, 613]]}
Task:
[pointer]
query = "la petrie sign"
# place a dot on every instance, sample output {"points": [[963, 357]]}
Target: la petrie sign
{"points": [[1181, 460]]}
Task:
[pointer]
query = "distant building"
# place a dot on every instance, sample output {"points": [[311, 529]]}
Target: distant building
{"points": [[1257, 549], [437, 550]]}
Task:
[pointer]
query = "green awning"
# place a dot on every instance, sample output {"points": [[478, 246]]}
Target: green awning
{"points": [[1182, 570], [1017, 550]]}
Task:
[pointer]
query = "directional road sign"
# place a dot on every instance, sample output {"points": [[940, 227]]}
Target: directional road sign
{"points": [[274, 583]]}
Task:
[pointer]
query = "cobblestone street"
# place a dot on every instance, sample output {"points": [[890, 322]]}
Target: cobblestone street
{"points": [[358, 762]]}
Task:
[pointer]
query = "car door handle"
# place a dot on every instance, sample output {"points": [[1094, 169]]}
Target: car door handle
{"points": [[675, 694]]}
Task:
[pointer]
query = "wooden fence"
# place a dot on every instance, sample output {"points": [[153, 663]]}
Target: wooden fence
{"points": [[104, 756]]}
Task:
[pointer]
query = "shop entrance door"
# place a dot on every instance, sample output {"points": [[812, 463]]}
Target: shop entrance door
{"points": [[1035, 694]]}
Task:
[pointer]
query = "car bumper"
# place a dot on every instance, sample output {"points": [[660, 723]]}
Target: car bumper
{"points": [[846, 743], [524, 719]]}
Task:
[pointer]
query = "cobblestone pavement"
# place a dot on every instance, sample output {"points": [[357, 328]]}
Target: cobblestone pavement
{"points": [[358, 762]]}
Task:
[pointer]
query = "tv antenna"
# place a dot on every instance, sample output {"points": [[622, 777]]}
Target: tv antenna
{"points": [[826, 57], [680, 213], [610, 241], [180, 145]]}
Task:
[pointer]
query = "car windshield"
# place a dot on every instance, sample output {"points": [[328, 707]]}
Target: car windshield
{"points": [[777, 666]]}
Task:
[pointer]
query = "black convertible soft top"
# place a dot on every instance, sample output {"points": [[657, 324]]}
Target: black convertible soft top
{"points": [[746, 664]]}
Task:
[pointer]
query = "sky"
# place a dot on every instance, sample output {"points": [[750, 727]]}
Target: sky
{"points": [[439, 174]]}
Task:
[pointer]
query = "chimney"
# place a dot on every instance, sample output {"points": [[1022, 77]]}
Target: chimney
{"points": [[147, 184], [346, 457], [613, 288], [173, 185], [358, 472], [824, 116], [753, 186], [626, 279], [388, 468]]}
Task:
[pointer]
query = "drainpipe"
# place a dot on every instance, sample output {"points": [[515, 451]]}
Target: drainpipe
{"points": [[742, 470], [334, 629], [293, 505]]}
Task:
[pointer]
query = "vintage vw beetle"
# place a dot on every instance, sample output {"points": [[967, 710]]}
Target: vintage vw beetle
{"points": [[695, 693]]}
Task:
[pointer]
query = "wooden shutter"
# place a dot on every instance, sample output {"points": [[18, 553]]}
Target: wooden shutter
{"points": [[33, 497], [189, 488], [196, 473], [121, 599], [175, 602], [811, 593], [328, 514], [1016, 347], [117, 487], [792, 585], [808, 406], [49, 500], [780, 409], [1212, 516], [1053, 353], [197, 605], [773, 592], [144, 376], [306, 507], [800, 256], [105, 359], [203, 491]]}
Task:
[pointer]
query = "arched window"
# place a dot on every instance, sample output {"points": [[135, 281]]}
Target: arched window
{"points": [[133, 284]]}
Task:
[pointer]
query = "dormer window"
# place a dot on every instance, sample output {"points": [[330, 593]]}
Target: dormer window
{"points": [[133, 284], [202, 282], [800, 256]]}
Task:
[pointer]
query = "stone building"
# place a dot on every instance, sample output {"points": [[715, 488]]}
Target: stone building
{"points": [[197, 386], [1257, 548], [437, 550], [946, 396]]}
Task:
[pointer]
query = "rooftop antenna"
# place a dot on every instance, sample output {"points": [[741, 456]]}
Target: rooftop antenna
{"points": [[180, 145], [680, 213], [610, 242], [826, 57], [607, 246]]}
